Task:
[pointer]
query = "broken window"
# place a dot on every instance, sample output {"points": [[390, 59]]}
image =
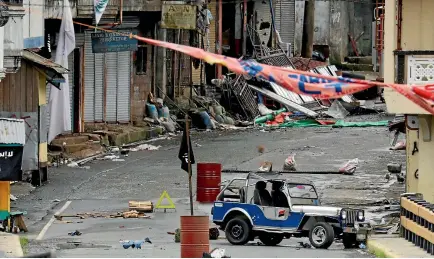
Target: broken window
{"points": [[141, 59]]}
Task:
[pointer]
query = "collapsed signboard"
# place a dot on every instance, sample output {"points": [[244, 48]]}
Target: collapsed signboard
{"points": [[11, 158], [112, 42], [178, 16]]}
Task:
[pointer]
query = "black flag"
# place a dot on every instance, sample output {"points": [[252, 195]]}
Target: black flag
{"points": [[183, 152]]}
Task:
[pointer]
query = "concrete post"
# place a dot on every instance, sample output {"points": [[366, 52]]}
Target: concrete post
{"points": [[161, 71], [308, 29]]}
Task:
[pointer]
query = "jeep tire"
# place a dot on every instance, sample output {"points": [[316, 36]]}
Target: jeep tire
{"points": [[238, 231], [270, 239], [321, 235]]}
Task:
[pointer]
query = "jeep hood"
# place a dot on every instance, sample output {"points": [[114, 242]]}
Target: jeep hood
{"points": [[317, 210]]}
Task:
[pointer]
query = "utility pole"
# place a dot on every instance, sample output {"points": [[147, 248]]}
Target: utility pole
{"points": [[308, 29]]}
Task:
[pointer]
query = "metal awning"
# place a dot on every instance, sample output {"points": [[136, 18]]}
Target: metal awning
{"points": [[52, 71]]}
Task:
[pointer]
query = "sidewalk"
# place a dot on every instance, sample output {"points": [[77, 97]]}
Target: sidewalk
{"points": [[392, 246], [10, 245]]}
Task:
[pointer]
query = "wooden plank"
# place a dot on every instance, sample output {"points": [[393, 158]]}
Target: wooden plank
{"points": [[29, 89], [6, 100], [23, 91], [143, 206]]}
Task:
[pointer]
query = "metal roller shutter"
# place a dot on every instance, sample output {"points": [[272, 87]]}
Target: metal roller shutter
{"points": [[99, 87], [123, 90], [89, 80], [212, 35], [112, 86], [284, 17]]}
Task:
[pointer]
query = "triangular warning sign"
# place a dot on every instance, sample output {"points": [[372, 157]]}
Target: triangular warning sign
{"points": [[171, 205]]}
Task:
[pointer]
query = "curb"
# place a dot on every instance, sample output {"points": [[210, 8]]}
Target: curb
{"points": [[10, 245], [379, 250]]}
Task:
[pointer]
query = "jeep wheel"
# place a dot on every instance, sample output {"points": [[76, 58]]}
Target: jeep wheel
{"points": [[321, 235], [238, 231], [270, 239]]}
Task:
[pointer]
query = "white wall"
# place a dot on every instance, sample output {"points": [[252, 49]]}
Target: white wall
{"points": [[33, 24]]}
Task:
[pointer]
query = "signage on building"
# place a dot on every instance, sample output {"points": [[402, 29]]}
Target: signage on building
{"points": [[112, 42], [178, 16], [11, 159]]}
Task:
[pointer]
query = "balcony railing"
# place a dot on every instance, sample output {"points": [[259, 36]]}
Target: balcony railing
{"points": [[13, 2]]}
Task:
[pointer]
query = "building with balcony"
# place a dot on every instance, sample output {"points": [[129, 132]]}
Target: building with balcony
{"points": [[409, 59]]}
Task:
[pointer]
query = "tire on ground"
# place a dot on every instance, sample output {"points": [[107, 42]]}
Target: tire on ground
{"points": [[270, 239], [241, 224], [328, 237]]}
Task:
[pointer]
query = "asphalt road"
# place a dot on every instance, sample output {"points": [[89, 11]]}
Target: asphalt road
{"points": [[107, 186]]}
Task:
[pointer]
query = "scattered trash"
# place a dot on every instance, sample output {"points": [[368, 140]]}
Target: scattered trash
{"points": [[56, 200], [400, 178], [142, 206], [12, 197], [362, 246], [350, 167], [290, 164], [133, 244], [305, 245], [216, 253], [387, 177], [75, 233], [177, 235], [171, 233], [145, 147], [266, 167], [261, 149], [214, 233], [73, 165], [118, 160], [394, 168], [399, 146]]}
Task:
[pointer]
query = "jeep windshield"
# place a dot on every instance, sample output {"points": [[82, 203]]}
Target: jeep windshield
{"points": [[302, 194]]}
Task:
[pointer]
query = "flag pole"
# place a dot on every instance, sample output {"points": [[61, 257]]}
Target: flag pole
{"points": [[190, 188]]}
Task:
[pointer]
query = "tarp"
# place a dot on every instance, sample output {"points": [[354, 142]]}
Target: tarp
{"points": [[340, 123]]}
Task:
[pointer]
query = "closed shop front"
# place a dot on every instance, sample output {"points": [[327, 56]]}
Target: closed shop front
{"points": [[107, 85], [285, 20]]}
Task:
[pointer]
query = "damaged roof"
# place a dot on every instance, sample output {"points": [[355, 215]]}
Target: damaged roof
{"points": [[53, 71]]}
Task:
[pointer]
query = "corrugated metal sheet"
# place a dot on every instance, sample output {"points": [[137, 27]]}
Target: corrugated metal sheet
{"points": [[99, 86], [286, 93], [89, 80], [124, 83], [297, 98], [112, 86], [212, 35], [12, 131], [284, 17], [49, 64]]}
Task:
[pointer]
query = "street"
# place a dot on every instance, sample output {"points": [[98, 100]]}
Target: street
{"points": [[107, 186]]}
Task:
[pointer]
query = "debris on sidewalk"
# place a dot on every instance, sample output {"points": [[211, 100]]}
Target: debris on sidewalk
{"points": [[142, 206], [125, 214], [350, 167]]}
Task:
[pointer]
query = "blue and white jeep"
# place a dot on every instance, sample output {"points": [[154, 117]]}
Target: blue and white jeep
{"points": [[274, 209]]}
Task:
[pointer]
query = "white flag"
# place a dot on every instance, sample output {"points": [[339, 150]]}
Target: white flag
{"points": [[59, 103], [99, 6]]}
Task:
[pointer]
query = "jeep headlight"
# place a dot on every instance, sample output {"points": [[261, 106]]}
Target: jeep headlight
{"points": [[343, 214], [360, 215]]}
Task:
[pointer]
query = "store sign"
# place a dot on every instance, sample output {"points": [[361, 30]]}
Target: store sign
{"points": [[112, 42], [178, 16], [11, 158]]}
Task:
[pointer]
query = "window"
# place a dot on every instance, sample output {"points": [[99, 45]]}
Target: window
{"points": [[141, 60], [13, 2]]}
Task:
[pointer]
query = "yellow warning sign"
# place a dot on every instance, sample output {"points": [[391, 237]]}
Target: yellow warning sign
{"points": [[171, 205]]}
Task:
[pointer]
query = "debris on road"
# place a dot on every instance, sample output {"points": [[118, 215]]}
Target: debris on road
{"points": [[266, 167], [400, 178], [290, 164], [261, 149], [133, 244], [12, 197], [394, 168], [216, 253], [305, 245], [141, 206], [214, 233], [125, 214], [145, 147], [399, 146], [350, 167], [177, 235], [75, 233]]}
